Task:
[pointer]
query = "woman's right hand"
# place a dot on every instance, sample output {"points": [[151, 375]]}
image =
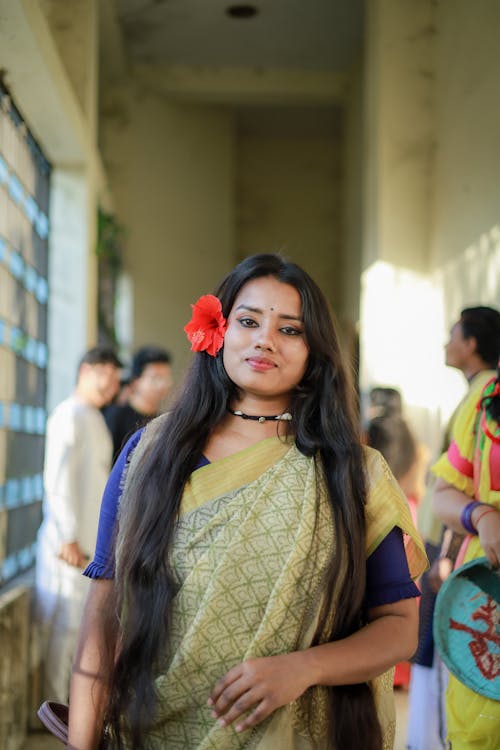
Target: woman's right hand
{"points": [[258, 686], [487, 523]]}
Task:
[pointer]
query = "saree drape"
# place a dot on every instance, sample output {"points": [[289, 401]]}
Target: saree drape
{"points": [[251, 552]]}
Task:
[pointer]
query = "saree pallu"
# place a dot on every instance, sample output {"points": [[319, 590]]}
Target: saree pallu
{"points": [[251, 552], [472, 465]]}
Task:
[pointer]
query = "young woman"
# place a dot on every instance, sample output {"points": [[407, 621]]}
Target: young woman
{"points": [[259, 589], [467, 499]]}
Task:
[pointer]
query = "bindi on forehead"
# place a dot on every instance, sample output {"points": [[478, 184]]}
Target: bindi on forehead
{"points": [[262, 310]]}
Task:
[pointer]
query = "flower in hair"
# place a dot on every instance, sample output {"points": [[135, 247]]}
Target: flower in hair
{"points": [[207, 326]]}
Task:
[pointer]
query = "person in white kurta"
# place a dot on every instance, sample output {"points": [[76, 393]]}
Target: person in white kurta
{"points": [[78, 454]]}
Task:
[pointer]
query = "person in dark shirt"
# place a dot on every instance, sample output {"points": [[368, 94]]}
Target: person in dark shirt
{"points": [[149, 383]]}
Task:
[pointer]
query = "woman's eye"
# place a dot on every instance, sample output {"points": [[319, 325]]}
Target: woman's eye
{"points": [[247, 322], [290, 331]]}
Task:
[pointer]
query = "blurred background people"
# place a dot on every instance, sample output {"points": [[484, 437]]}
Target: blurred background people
{"points": [[390, 434], [384, 402], [407, 459], [147, 387], [78, 451], [473, 349]]}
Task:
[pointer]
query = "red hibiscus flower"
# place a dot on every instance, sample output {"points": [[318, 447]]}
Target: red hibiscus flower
{"points": [[207, 326]]}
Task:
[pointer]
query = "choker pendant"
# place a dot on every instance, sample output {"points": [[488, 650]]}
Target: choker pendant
{"points": [[285, 417]]}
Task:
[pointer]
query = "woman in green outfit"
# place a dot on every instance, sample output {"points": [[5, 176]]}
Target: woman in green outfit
{"points": [[251, 588]]}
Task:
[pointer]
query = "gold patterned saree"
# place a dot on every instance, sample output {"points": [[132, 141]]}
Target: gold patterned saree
{"points": [[251, 552]]}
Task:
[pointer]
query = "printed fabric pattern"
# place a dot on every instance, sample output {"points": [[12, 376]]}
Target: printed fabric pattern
{"points": [[251, 564]]}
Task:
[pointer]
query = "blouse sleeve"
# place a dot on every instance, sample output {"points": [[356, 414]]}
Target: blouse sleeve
{"points": [[388, 577], [102, 566]]}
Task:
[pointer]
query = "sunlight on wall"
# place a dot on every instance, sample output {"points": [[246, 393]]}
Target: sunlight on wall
{"points": [[402, 336], [405, 322], [472, 277]]}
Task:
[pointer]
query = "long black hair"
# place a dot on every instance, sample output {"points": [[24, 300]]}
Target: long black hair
{"points": [[325, 427]]}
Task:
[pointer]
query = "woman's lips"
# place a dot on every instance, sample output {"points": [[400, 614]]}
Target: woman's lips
{"points": [[262, 365]]}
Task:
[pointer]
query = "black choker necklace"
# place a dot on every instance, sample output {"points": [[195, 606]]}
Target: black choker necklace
{"points": [[285, 417]]}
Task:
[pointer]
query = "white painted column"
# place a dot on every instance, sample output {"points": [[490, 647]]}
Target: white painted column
{"points": [[68, 281]]}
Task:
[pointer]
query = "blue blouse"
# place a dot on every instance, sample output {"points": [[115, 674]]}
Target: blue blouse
{"points": [[387, 575]]}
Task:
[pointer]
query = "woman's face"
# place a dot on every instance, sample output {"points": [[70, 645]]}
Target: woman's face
{"points": [[265, 350], [458, 349]]}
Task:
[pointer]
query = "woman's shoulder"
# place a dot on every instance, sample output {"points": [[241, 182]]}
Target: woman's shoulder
{"points": [[387, 508], [383, 490], [376, 466]]}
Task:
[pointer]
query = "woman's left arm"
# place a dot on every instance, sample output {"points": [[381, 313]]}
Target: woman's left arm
{"points": [[449, 502], [267, 683]]}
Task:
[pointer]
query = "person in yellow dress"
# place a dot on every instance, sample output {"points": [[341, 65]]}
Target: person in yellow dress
{"points": [[256, 589], [467, 499]]}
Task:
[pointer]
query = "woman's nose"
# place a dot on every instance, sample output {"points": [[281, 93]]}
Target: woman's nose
{"points": [[265, 338]]}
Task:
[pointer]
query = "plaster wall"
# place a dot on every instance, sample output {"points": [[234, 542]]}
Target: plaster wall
{"points": [[353, 200], [465, 247], [398, 132], [74, 27], [170, 167], [289, 190]]}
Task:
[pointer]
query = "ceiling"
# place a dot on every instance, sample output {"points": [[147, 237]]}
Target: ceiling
{"points": [[308, 35]]}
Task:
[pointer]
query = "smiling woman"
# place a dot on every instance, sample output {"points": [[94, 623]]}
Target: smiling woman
{"points": [[253, 583], [265, 350]]}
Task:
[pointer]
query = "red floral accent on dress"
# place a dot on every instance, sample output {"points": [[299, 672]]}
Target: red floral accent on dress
{"points": [[207, 326], [484, 644]]}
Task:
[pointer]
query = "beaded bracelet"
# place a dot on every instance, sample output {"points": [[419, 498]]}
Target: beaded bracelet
{"points": [[488, 510], [465, 516]]}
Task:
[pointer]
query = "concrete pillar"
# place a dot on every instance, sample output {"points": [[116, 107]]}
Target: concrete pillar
{"points": [[399, 303], [70, 280], [399, 115], [74, 27]]}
